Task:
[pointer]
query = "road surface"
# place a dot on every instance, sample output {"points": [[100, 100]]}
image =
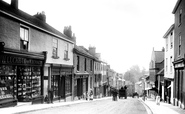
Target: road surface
{"points": [[106, 106]]}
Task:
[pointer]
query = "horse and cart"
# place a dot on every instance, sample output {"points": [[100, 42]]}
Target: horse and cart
{"points": [[121, 93]]}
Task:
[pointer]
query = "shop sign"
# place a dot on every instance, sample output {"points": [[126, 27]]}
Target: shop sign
{"points": [[7, 59], [179, 65], [6, 96]]}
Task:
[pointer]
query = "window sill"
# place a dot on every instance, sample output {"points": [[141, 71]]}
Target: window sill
{"points": [[55, 57], [67, 59]]}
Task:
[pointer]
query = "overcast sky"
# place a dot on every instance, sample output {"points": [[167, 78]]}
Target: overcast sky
{"points": [[123, 31]]}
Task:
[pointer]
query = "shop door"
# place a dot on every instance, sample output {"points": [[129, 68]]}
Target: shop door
{"points": [[86, 84], [78, 87], [62, 88]]}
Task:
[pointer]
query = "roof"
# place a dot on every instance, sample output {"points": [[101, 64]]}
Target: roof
{"points": [[176, 6], [168, 31], [30, 20], [159, 56], [81, 50]]}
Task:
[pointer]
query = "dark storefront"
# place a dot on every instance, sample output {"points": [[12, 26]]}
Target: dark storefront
{"points": [[167, 90], [21, 77], [179, 82], [61, 81], [80, 86]]}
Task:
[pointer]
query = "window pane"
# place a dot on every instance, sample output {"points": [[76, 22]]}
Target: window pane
{"points": [[22, 33], [26, 35]]}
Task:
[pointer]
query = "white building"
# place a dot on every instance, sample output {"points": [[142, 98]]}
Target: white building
{"points": [[167, 91]]}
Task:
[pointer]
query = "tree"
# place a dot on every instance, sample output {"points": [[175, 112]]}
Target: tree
{"points": [[134, 74]]}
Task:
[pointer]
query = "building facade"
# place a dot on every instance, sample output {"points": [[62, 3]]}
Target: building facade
{"points": [[156, 66], [179, 51], [83, 72], [168, 65], [21, 67], [32, 34]]}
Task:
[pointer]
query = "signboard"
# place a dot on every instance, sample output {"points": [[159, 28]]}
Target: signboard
{"points": [[9, 59]]}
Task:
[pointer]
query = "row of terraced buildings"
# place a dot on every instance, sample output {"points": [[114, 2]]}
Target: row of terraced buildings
{"points": [[35, 59]]}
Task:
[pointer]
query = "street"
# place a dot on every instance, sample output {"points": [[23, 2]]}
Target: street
{"points": [[107, 106]]}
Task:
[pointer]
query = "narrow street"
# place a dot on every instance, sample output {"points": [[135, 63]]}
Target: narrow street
{"points": [[107, 106]]}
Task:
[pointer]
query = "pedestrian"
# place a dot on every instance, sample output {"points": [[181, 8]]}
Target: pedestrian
{"points": [[51, 95], [91, 95], [46, 99]]}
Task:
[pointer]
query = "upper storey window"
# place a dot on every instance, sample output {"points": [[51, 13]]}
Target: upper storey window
{"points": [[24, 38], [55, 48], [180, 16]]}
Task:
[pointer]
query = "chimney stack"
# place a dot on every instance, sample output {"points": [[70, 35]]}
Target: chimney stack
{"points": [[14, 4], [92, 50], [41, 16]]}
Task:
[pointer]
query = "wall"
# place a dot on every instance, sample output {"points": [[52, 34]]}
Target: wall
{"points": [[10, 33], [179, 29], [168, 54], [40, 41]]}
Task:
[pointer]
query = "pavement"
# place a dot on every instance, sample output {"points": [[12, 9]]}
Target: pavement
{"points": [[161, 108], [150, 105], [28, 107]]}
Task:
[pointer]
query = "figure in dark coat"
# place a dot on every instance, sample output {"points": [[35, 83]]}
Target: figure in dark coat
{"points": [[114, 94], [51, 95]]}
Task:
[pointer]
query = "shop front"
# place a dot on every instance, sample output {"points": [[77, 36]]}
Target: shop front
{"points": [[80, 86], [61, 81], [21, 75], [179, 83]]}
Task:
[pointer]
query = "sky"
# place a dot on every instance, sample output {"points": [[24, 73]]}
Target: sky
{"points": [[123, 31]]}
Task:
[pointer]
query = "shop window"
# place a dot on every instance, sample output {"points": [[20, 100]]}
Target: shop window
{"points": [[7, 82], [55, 49], [68, 82], [24, 41], [54, 84], [66, 52], [28, 83]]}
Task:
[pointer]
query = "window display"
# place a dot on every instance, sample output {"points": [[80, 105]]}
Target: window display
{"points": [[68, 81], [7, 82], [28, 82], [54, 84]]}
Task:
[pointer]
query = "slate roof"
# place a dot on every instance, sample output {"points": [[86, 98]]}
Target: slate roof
{"points": [[79, 49], [5, 7]]}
